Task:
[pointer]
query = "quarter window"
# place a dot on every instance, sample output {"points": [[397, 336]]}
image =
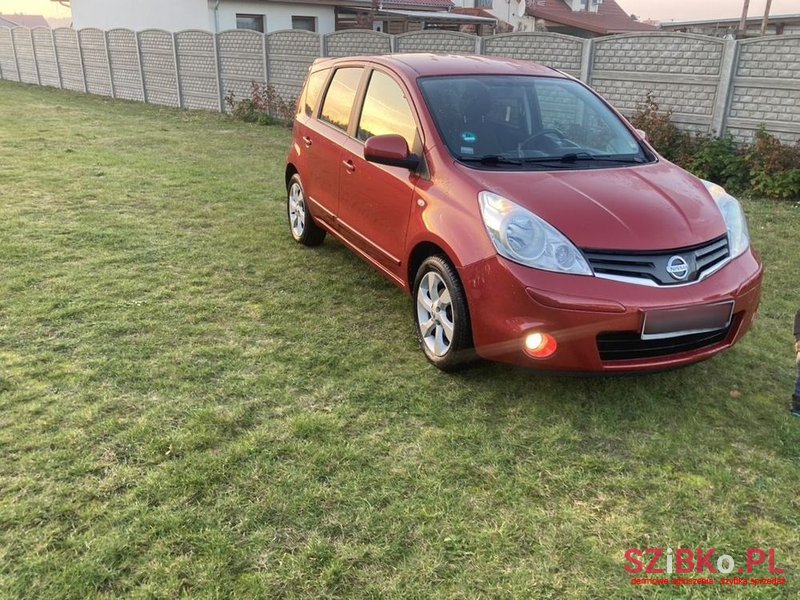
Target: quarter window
{"points": [[340, 97], [312, 91], [386, 110]]}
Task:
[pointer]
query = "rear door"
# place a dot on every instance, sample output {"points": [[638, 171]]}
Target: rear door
{"points": [[375, 200], [324, 139]]}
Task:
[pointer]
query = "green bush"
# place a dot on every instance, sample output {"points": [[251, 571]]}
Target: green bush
{"points": [[265, 106], [766, 168], [719, 160]]}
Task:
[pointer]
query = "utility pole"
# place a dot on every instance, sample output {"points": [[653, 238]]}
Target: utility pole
{"points": [[743, 22], [765, 20]]}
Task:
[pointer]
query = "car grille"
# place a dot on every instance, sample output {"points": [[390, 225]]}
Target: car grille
{"points": [[647, 268], [628, 345]]}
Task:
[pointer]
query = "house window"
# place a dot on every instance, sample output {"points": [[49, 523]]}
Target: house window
{"points": [[252, 22], [304, 23], [483, 3]]}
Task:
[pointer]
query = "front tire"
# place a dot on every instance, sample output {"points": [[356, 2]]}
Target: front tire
{"points": [[301, 224], [441, 317]]}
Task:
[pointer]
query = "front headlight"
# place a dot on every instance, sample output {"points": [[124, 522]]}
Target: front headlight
{"points": [[521, 236], [735, 221]]}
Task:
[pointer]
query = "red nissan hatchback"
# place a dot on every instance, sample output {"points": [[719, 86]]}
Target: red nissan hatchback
{"points": [[528, 220]]}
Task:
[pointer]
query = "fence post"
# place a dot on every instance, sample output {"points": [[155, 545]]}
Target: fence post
{"points": [[141, 66], [265, 66], [14, 52], [219, 73], [35, 58], [58, 61], [586, 60], [83, 64], [478, 43], [110, 68], [177, 69], [266, 58], [322, 45], [727, 70]]}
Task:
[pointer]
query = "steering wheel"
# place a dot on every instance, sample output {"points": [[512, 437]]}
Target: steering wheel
{"points": [[549, 131]]}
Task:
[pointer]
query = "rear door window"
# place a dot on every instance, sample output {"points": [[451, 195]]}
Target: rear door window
{"points": [[340, 97]]}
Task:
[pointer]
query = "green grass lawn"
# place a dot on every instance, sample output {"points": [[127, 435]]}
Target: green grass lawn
{"points": [[192, 405]]}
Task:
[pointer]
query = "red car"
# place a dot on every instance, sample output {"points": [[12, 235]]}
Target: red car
{"points": [[528, 220]]}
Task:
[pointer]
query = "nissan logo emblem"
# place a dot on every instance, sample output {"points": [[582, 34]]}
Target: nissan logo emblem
{"points": [[678, 267]]}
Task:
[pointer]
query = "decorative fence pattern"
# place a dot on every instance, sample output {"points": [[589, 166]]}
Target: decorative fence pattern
{"points": [[710, 85]]}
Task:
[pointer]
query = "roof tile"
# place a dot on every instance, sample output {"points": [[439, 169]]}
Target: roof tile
{"points": [[609, 18]]}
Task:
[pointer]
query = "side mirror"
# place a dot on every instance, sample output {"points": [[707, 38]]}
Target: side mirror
{"points": [[641, 133], [390, 149]]}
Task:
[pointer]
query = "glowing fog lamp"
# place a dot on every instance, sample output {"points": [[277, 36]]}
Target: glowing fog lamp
{"points": [[540, 345]]}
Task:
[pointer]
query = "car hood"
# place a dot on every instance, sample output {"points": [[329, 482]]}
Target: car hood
{"points": [[656, 206]]}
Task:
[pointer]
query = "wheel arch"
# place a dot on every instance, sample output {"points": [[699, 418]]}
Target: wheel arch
{"points": [[291, 171], [417, 256]]}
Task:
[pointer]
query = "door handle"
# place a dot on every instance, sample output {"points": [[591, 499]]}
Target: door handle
{"points": [[307, 141], [348, 164]]}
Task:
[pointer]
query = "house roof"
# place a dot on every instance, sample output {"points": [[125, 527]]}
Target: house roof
{"points": [[440, 16], [430, 3], [364, 5], [475, 12], [609, 18], [30, 21]]}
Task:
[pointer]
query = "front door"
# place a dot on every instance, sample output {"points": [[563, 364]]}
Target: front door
{"points": [[324, 138], [375, 200]]}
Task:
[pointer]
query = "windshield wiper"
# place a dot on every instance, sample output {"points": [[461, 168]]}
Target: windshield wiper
{"points": [[572, 157], [491, 159]]}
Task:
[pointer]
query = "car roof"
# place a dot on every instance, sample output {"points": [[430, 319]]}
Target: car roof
{"points": [[422, 65]]}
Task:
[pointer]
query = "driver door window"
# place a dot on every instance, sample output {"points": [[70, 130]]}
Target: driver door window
{"points": [[386, 110]]}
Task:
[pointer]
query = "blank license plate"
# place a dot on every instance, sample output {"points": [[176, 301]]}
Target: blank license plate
{"points": [[674, 322]]}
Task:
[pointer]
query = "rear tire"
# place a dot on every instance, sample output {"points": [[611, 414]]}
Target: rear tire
{"points": [[301, 224], [441, 316]]}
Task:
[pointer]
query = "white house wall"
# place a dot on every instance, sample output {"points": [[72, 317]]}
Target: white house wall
{"points": [[277, 16], [177, 15], [172, 15]]}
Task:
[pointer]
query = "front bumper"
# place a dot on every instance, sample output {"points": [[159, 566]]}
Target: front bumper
{"points": [[507, 301]]}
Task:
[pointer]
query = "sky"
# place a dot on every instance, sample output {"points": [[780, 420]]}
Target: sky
{"points": [[662, 10], [694, 10], [34, 7]]}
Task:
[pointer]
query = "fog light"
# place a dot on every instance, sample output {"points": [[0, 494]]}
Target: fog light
{"points": [[540, 345]]}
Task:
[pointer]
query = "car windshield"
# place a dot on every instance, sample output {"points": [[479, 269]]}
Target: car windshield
{"points": [[521, 122]]}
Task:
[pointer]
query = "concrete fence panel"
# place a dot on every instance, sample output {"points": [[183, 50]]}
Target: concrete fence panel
{"points": [[8, 57], [26, 59], [766, 89], [710, 84], [682, 71], [158, 67], [96, 68], [241, 61], [70, 66], [45, 56], [438, 42], [126, 72], [562, 52], [354, 42], [289, 55], [197, 69]]}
